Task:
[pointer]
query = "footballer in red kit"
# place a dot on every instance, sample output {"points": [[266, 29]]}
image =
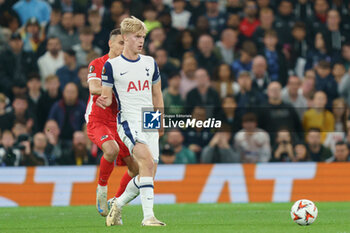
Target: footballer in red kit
{"points": [[102, 128]]}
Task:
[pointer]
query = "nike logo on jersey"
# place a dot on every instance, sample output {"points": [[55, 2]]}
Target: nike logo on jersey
{"points": [[123, 73]]}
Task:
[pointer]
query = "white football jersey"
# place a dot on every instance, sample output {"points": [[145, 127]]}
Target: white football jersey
{"points": [[132, 82]]}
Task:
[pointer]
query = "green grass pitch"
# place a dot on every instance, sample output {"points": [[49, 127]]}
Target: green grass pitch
{"points": [[192, 218]]}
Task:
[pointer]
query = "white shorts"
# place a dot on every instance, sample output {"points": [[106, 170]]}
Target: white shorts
{"points": [[131, 133]]}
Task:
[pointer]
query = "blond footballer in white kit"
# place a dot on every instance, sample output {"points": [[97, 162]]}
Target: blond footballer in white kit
{"points": [[135, 81]]}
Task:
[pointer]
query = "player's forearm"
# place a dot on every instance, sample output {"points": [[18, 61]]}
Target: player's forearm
{"points": [[106, 93], [95, 87]]}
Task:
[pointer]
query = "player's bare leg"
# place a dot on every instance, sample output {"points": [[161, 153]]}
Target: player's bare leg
{"points": [[110, 151]]}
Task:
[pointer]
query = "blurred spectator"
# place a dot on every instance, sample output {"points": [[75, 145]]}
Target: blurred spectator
{"points": [[226, 47], [5, 117], [182, 154], [55, 18], [338, 72], [79, 154], [325, 82], [201, 27], [317, 151], [297, 53], [317, 21], [260, 76], [234, 6], [197, 8], [319, 53], [65, 31], [32, 35], [79, 19], [27, 9], [276, 62], [22, 113], [267, 20], [308, 85], [157, 39], [300, 153], [203, 95], [15, 63], [38, 156], [219, 149], [250, 22], [48, 98], [215, 17], [19, 129], [318, 117], [341, 153], [188, 79], [34, 94], [248, 98], [230, 114], [9, 154], [343, 87], [197, 138], [150, 15], [252, 143], [115, 11], [285, 21], [65, 5], [180, 16], [184, 43], [276, 115], [55, 147], [160, 6], [172, 99], [333, 32], [83, 86], [205, 56], [224, 82], [283, 149], [171, 32], [101, 34], [167, 155], [68, 112], [292, 95], [99, 5], [244, 63], [85, 46], [69, 72], [52, 60], [346, 55], [166, 68], [303, 9], [340, 111], [233, 21]]}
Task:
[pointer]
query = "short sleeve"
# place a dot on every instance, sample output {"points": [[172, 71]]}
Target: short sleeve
{"points": [[107, 75], [95, 69], [156, 75]]}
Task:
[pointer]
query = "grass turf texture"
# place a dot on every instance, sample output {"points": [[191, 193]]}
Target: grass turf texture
{"points": [[192, 218]]}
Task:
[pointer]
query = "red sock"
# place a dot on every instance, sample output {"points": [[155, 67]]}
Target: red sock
{"points": [[106, 169], [123, 183]]}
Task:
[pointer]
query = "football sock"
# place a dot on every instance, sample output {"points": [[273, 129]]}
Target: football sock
{"points": [[123, 183], [106, 169], [147, 196], [130, 193]]}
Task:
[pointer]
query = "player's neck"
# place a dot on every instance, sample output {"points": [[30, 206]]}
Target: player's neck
{"points": [[130, 55]]}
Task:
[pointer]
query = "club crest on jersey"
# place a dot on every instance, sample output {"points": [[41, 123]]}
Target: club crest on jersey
{"points": [[138, 86], [91, 69], [103, 70], [147, 71], [104, 137]]}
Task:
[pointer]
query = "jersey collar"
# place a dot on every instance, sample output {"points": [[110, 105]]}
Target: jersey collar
{"points": [[129, 60]]}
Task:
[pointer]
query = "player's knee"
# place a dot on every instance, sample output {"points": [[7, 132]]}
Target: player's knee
{"points": [[111, 152]]}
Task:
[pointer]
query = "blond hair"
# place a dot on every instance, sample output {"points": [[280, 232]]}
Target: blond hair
{"points": [[132, 25]]}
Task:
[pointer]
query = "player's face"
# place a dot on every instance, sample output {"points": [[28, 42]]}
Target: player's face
{"points": [[134, 41], [117, 44]]}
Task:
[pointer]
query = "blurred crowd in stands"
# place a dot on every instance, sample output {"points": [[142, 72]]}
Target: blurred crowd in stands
{"points": [[276, 72]]}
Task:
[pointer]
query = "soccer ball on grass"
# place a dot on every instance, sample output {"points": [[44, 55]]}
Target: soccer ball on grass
{"points": [[304, 212]]}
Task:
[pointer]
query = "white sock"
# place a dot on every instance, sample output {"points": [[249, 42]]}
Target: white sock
{"points": [[130, 193], [147, 196]]}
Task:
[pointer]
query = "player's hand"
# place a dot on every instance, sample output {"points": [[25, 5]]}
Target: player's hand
{"points": [[101, 102]]}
